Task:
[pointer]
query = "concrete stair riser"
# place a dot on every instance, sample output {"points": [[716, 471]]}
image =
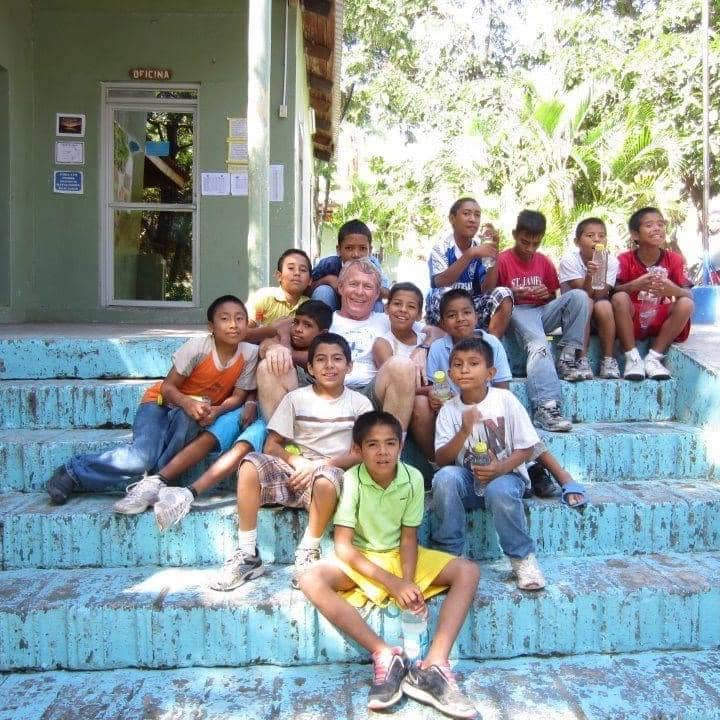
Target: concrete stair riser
{"points": [[596, 451], [627, 518], [104, 619]]}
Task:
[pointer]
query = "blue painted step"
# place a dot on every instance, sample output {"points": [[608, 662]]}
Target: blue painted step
{"points": [[623, 518], [154, 617], [646, 686], [65, 404], [594, 451]]}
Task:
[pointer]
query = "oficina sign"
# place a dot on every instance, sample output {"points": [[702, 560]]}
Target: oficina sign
{"points": [[151, 73]]}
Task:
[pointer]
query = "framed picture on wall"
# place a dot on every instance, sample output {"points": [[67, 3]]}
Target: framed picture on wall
{"points": [[69, 125]]}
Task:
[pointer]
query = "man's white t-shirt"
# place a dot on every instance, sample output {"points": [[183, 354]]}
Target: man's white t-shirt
{"points": [[572, 267], [321, 427], [505, 427], [361, 335]]}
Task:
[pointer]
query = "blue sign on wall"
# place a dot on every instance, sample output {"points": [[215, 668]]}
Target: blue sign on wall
{"points": [[69, 182], [156, 148]]}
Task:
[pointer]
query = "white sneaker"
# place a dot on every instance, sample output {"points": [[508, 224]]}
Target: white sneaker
{"points": [[172, 505], [583, 367], [140, 495], [654, 368], [528, 573], [609, 369], [634, 368]]}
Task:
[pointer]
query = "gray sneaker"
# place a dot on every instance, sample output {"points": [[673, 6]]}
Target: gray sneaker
{"points": [[140, 495], [437, 686], [567, 370], [548, 417], [609, 369], [172, 505], [239, 569], [583, 367], [304, 558]]}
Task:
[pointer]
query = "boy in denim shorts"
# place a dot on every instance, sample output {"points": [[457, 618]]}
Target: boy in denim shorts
{"points": [[307, 450]]}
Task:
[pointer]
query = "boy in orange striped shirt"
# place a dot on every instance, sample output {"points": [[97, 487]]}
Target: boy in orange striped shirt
{"points": [[211, 376]]}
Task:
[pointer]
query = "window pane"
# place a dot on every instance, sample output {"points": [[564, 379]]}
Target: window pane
{"points": [[135, 92], [152, 254], [152, 156]]}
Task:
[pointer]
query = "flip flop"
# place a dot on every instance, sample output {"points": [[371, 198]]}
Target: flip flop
{"points": [[574, 488]]}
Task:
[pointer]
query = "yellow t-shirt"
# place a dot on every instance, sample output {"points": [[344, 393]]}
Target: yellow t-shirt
{"points": [[268, 304]]}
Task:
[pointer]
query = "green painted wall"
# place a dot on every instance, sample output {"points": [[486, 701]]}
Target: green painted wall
{"points": [[16, 187], [78, 45]]}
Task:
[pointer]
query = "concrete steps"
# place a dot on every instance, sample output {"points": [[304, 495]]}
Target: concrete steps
{"points": [[622, 518], [77, 404], [102, 619], [592, 451], [593, 687]]}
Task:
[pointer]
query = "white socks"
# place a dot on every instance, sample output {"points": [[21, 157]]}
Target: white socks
{"points": [[247, 540], [654, 354], [309, 542]]}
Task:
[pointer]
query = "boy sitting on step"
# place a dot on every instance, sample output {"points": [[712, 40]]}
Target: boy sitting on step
{"points": [[212, 376], [652, 272], [270, 308], [497, 479], [377, 559], [307, 449]]}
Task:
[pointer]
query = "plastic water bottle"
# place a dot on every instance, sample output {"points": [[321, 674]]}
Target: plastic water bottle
{"points": [[649, 302], [441, 387], [600, 258], [488, 261], [479, 455], [415, 634]]}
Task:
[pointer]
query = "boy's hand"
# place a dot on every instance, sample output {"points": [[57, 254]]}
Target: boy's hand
{"points": [[470, 418], [539, 292], [644, 282], [279, 360], [485, 249], [663, 287], [487, 473], [210, 416], [407, 595], [592, 267], [196, 409], [435, 402], [304, 470], [249, 414]]}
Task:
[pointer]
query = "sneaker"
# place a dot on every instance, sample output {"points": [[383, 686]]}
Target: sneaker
{"points": [[548, 417], [568, 370], [437, 686], [239, 569], [583, 367], [390, 666], [541, 482], [172, 505], [609, 369], [654, 368], [61, 486], [528, 573], [304, 558], [634, 368], [140, 495]]}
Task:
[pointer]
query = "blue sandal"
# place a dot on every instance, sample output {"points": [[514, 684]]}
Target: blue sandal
{"points": [[574, 488]]}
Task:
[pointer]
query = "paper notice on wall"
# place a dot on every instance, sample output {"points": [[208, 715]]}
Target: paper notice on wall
{"points": [[237, 151], [237, 127], [277, 183], [215, 183], [69, 153], [239, 183]]}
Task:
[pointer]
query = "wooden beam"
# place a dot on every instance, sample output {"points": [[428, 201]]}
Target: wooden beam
{"points": [[319, 83], [320, 104], [324, 138], [319, 7], [323, 154], [318, 51], [322, 124]]}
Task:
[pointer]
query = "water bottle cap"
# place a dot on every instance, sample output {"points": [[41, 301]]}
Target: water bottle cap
{"points": [[439, 376], [599, 246], [480, 447]]}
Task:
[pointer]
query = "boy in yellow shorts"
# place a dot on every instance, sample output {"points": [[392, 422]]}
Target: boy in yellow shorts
{"points": [[377, 559]]}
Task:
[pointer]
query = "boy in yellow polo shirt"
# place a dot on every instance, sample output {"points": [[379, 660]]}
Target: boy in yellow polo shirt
{"points": [[377, 559], [270, 308]]}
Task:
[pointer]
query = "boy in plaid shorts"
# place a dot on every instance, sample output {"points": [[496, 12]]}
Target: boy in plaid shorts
{"points": [[317, 421]]}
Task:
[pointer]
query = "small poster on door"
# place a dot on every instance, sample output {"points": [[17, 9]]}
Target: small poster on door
{"points": [[70, 125]]}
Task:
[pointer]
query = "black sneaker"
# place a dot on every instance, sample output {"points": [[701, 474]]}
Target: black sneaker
{"points": [[239, 569], [60, 486], [542, 483], [436, 686], [390, 666]]}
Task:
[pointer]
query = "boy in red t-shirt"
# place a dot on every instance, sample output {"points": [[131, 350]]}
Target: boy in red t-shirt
{"points": [[534, 282], [652, 297]]}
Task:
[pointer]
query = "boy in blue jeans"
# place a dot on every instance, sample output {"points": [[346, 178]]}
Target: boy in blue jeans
{"points": [[481, 413], [354, 242], [377, 560], [537, 312]]}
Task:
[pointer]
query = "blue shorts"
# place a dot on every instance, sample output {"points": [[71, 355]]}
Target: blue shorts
{"points": [[226, 430]]}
